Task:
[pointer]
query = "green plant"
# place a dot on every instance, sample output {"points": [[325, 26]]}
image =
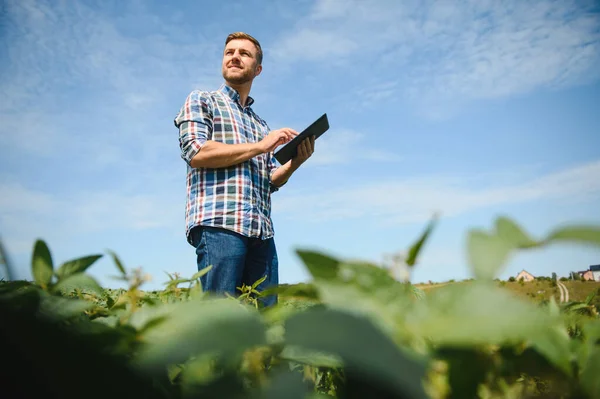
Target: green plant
{"points": [[351, 332]]}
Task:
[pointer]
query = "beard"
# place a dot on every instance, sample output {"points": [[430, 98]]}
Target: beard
{"points": [[238, 76]]}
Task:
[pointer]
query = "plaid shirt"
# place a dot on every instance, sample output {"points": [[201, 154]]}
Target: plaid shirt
{"points": [[238, 197]]}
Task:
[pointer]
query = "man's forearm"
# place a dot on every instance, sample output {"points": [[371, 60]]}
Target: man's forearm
{"points": [[283, 173], [219, 155]]}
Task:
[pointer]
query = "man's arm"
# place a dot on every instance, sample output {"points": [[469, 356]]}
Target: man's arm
{"points": [[282, 174], [195, 124], [220, 155]]}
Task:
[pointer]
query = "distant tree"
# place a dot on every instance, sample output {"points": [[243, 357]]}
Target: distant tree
{"points": [[512, 279], [554, 277]]}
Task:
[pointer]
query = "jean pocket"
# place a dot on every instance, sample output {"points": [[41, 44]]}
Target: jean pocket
{"points": [[197, 233]]}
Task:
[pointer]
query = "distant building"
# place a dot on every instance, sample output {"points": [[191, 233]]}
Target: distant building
{"points": [[592, 274], [586, 275], [595, 269], [525, 276]]}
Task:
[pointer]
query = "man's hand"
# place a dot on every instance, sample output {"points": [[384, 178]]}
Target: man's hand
{"points": [[283, 173], [276, 138], [305, 150]]}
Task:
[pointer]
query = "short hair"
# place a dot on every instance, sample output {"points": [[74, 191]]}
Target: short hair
{"points": [[242, 35]]}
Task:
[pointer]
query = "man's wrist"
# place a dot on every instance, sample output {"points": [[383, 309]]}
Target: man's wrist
{"points": [[258, 148]]}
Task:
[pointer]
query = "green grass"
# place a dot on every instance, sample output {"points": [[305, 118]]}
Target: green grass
{"points": [[537, 290]]}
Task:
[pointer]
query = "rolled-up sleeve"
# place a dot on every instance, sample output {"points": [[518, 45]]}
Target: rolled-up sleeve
{"points": [[195, 124]]}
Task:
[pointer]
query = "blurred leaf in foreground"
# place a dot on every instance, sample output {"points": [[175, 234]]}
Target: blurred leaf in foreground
{"points": [[199, 326], [79, 281], [415, 249], [487, 253], [369, 356], [76, 266], [511, 232], [41, 264], [319, 265], [477, 313], [578, 234]]}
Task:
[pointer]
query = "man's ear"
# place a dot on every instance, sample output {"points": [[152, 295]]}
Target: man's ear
{"points": [[258, 70]]}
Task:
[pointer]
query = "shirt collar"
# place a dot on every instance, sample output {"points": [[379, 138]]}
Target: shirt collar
{"points": [[234, 95]]}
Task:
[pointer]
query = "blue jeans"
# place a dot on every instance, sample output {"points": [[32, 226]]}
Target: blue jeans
{"points": [[235, 260]]}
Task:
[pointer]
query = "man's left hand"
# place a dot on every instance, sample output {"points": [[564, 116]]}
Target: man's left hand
{"points": [[305, 150]]}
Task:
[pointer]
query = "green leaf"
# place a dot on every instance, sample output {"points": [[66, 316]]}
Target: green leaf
{"points": [[589, 375], [512, 233], [64, 308], [41, 264], [109, 302], [152, 323], [487, 254], [80, 281], [198, 371], [175, 283], [76, 266], [201, 273], [366, 289], [118, 262], [13, 286], [171, 278], [24, 301], [226, 384], [312, 358], [415, 249], [555, 345], [467, 370], [578, 234], [477, 313], [258, 282], [366, 352], [591, 332], [286, 384], [220, 325], [590, 297], [319, 265], [298, 290]]}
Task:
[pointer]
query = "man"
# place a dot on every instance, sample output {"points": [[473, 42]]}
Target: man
{"points": [[231, 174]]}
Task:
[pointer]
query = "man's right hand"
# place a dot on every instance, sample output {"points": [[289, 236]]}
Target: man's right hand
{"points": [[275, 138]]}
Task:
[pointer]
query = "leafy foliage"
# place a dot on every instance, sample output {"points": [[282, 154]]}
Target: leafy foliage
{"points": [[353, 331]]}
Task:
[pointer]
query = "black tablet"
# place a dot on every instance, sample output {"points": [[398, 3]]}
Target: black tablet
{"points": [[317, 128]]}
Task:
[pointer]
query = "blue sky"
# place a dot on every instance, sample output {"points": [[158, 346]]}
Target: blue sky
{"points": [[472, 109]]}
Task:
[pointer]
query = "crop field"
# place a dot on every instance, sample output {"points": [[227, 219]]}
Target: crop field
{"points": [[353, 331], [538, 291]]}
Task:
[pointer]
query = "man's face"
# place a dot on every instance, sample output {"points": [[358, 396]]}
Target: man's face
{"points": [[240, 64]]}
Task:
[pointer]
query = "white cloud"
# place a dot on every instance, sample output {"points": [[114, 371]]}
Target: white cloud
{"points": [[84, 90], [415, 200], [30, 213], [442, 53], [59, 45], [314, 45]]}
